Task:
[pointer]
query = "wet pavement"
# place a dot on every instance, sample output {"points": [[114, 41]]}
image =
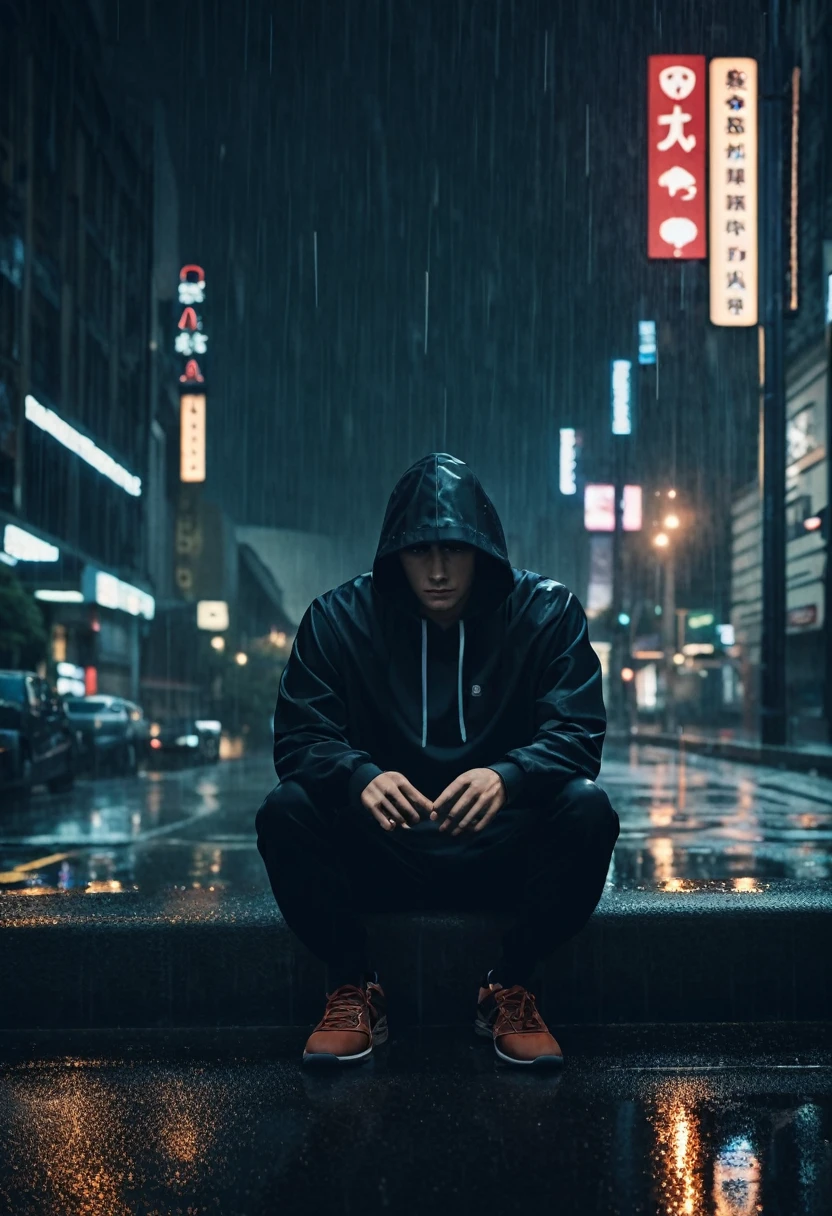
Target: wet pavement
{"points": [[696, 1129], [682, 818]]}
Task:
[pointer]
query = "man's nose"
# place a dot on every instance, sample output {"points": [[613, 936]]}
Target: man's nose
{"points": [[436, 569]]}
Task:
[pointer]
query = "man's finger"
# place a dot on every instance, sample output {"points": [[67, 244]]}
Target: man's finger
{"points": [[381, 819], [486, 819], [400, 800], [449, 794], [481, 803], [387, 808], [459, 808], [417, 798]]}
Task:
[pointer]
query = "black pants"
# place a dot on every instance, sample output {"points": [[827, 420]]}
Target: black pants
{"points": [[325, 867]]}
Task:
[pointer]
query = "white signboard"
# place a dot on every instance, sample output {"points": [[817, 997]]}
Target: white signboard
{"points": [[733, 191]]}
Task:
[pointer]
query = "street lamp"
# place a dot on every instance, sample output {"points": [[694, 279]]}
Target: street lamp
{"points": [[671, 521], [661, 540], [241, 658]]}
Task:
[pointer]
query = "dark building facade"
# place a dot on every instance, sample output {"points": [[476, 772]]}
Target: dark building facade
{"points": [[76, 242]]}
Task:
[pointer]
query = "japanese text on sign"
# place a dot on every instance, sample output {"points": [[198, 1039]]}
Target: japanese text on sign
{"points": [[733, 201], [676, 156]]}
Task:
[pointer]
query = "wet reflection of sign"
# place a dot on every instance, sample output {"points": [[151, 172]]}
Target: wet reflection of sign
{"points": [[676, 156], [733, 190], [192, 436]]}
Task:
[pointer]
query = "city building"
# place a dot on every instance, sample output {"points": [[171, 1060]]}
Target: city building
{"points": [[76, 241], [809, 299]]}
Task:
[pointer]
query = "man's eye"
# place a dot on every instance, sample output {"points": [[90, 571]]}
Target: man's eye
{"points": [[418, 550]]}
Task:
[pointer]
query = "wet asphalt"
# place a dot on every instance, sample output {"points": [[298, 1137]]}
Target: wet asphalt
{"points": [[712, 1121], [687, 817], [432, 1123]]}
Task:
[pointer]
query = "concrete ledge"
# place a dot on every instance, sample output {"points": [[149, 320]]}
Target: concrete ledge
{"points": [[817, 760], [702, 954]]}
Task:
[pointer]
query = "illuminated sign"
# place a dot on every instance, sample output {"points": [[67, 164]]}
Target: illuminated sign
{"points": [[676, 156], [192, 437], [191, 339], [110, 592], [212, 614], [57, 596], [733, 177], [632, 513], [622, 419], [647, 347], [82, 446], [599, 508], [24, 547], [568, 460]]}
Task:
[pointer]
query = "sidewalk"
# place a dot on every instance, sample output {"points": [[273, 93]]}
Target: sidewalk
{"points": [[815, 758]]}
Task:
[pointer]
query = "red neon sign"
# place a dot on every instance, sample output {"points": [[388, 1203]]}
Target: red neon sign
{"points": [[192, 373], [676, 194], [188, 320], [191, 269]]}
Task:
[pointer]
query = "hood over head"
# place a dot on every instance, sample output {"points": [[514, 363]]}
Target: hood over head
{"points": [[439, 500]]}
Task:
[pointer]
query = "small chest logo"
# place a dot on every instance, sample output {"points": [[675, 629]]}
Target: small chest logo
{"points": [[476, 690]]}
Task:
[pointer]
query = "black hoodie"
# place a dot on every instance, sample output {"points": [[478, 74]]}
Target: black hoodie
{"points": [[371, 686]]}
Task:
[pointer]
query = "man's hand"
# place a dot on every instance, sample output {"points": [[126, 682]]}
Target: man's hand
{"points": [[391, 800], [476, 796]]}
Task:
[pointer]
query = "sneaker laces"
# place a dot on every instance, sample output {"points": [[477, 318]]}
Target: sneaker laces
{"points": [[344, 1009], [518, 1007]]}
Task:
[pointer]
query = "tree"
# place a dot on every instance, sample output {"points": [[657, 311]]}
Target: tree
{"points": [[22, 631]]}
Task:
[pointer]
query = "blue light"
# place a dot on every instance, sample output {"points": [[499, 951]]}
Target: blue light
{"points": [[622, 421], [568, 461], [647, 342], [623, 618]]}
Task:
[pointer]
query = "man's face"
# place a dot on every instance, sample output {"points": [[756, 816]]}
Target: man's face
{"points": [[441, 578]]}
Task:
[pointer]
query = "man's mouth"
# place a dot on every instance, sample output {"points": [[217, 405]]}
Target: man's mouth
{"points": [[439, 595]]}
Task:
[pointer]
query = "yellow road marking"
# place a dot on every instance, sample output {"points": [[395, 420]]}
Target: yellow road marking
{"points": [[19, 872]]}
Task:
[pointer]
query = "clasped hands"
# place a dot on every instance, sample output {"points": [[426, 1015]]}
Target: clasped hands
{"points": [[469, 802]]}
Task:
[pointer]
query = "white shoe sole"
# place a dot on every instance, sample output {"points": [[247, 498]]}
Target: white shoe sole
{"points": [[329, 1059], [484, 1031]]}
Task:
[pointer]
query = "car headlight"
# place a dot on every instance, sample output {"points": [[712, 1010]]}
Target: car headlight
{"points": [[188, 741]]}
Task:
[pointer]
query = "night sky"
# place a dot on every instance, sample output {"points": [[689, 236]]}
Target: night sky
{"points": [[497, 147]]}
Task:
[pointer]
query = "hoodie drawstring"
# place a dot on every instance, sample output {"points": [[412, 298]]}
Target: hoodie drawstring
{"points": [[462, 731]]}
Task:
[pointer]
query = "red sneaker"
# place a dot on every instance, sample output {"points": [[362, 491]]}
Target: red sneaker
{"points": [[354, 1022], [511, 1018]]}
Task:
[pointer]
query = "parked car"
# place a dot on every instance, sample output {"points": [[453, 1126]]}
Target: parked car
{"points": [[197, 739], [111, 732], [37, 745]]}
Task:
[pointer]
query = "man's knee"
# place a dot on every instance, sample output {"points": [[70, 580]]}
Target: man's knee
{"points": [[592, 808], [285, 805]]}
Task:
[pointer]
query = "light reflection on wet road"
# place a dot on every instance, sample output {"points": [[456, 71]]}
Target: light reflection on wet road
{"points": [[433, 1122], [681, 817]]}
